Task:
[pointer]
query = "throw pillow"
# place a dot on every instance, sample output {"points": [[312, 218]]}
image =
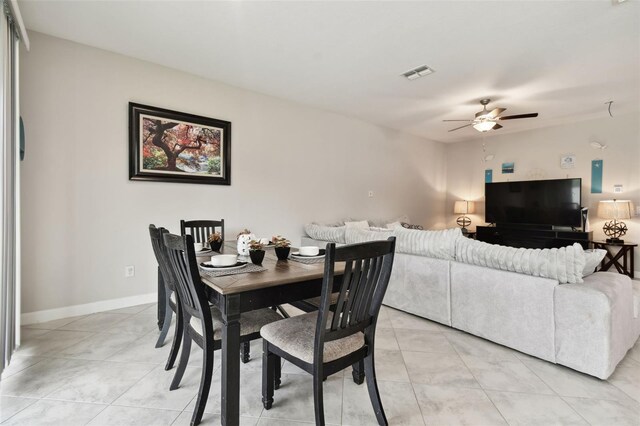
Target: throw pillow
{"points": [[436, 244], [363, 224], [410, 226], [592, 260], [333, 234], [564, 264]]}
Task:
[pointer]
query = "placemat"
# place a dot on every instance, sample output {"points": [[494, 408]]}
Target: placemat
{"points": [[246, 270], [307, 261]]}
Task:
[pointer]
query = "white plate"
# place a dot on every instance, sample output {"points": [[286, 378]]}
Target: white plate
{"points": [[209, 267], [297, 255], [203, 251]]}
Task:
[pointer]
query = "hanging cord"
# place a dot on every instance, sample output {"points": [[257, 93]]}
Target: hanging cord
{"points": [[609, 108]]}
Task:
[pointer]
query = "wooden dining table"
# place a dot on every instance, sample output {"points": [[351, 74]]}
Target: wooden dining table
{"points": [[283, 281]]}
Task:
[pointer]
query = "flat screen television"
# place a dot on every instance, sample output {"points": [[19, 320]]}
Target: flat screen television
{"points": [[555, 202]]}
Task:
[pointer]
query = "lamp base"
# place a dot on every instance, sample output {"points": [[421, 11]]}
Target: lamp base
{"points": [[614, 230], [614, 241]]}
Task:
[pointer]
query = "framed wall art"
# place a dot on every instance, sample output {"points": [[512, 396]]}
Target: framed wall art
{"points": [[172, 146]]}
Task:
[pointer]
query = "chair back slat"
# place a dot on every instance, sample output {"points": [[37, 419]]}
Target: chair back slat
{"points": [[364, 283], [183, 262], [200, 230], [160, 253], [342, 296], [350, 289], [374, 276]]}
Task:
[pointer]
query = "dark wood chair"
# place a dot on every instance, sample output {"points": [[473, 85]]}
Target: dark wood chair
{"points": [[172, 305], [201, 229], [202, 322], [325, 342]]}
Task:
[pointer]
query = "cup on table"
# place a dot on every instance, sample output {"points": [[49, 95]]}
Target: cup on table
{"points": [[198, 247], [309, 250]]}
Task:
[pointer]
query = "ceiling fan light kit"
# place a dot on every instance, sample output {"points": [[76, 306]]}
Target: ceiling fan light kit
{"points": [[486, 120], [484, 125]]}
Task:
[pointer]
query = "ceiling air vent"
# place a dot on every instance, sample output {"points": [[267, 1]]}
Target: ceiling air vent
{"points": [[418, 72]]}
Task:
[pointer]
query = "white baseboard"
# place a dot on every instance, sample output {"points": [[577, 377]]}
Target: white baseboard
{"points": [[87, 308]]}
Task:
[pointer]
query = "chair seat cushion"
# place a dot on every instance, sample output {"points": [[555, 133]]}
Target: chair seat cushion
{"points": [[296, 336], [250, 322], [316, 300]]}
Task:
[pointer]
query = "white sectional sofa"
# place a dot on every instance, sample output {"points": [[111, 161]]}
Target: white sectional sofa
{"points": [[585, 324]]}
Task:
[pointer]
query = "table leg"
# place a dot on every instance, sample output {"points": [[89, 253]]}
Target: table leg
{"points": [[162, 303], [231, 361], [631, 271]]}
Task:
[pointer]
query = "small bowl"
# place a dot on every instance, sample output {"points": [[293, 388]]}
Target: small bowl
{"points": [[309, 250], [224, 260]]}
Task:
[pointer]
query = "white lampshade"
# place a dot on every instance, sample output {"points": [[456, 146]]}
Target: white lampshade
{"points": [[484, 126], [464, 207], [615, 209]]}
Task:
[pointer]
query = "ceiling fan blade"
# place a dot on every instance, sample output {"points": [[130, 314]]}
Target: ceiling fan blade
{"points": [[461, 127], [496, 112], [517, 116], [497, 126], [458, 120]]}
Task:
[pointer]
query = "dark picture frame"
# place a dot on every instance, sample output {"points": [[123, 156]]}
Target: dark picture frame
{"points": [[173, 146]]}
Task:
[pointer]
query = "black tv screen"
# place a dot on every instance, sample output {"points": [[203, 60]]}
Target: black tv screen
{"points": [[538, 202]]}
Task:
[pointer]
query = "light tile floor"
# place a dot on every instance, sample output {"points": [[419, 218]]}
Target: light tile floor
{"points": [[103, 369]]}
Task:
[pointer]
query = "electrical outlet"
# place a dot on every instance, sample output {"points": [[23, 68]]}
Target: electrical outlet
{"points": [[129, 271], [370, 194], [617, 189]]}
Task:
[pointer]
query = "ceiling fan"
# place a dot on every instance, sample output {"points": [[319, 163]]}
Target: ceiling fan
{"points": [[488, 120]]}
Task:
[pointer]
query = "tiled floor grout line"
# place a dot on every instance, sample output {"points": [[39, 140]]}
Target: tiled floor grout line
{"points": [[575, 411], [20, 410], [478, 382]]}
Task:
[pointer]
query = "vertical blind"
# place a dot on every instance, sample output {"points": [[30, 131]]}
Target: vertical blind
{"points": [[10, 28]]}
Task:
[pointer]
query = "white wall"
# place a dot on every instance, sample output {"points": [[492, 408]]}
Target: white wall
{"points": [[537, 153], [83, 220]]}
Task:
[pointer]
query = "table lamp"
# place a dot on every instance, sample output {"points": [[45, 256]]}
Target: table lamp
{"points": [[613, 211], [464, 207]]}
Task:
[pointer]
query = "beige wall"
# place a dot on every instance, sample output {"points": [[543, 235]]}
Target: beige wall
{"points": [[83, 220], [537, 155]]}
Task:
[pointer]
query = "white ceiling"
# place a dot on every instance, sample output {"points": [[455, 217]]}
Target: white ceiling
{"points": [[563, 59]]}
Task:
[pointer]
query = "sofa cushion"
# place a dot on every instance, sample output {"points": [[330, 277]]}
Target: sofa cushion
{"points": [[333, 234], [564, 264], [419, 285], [511, 309], [436, 244]]}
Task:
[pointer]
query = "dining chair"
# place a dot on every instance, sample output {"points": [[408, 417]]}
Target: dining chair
{"points": [[201, 229], [172, 305], [202, 322], [325, 342]]}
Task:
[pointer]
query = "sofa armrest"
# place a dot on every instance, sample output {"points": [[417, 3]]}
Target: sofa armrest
{"points": [[593, 323]]}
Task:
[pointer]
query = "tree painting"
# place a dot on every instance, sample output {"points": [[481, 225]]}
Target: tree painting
{"points": [[174, 146], [180, 147]]}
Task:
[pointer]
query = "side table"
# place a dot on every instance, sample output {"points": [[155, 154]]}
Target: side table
{"points": [[625, 253]]}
